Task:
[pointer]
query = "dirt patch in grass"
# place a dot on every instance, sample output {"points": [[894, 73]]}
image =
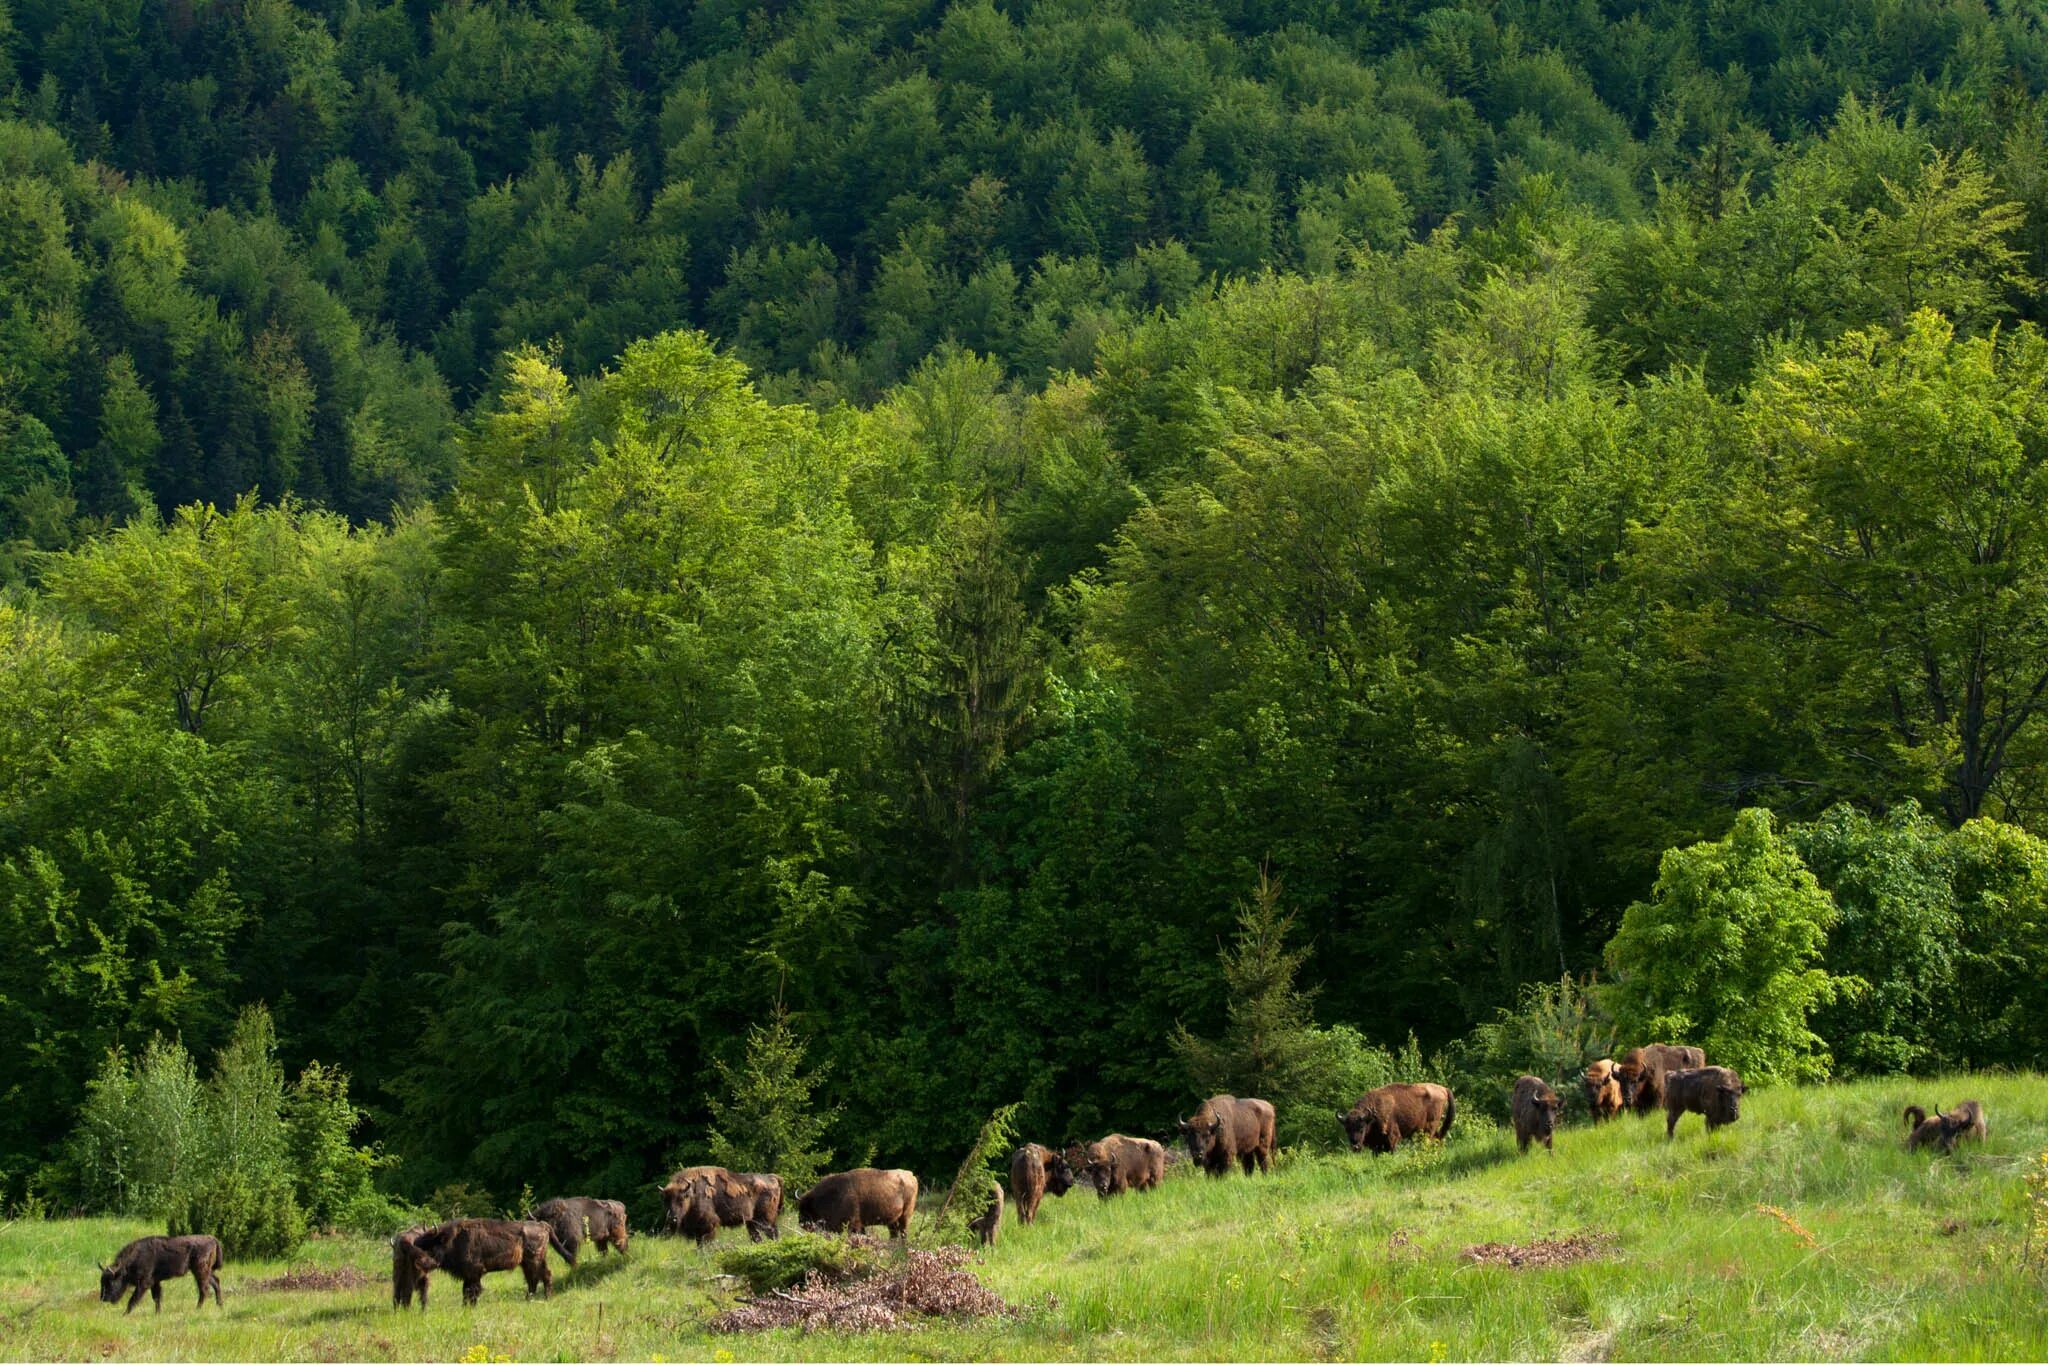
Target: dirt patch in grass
{"points": [[923, 1285], [318, 1278], [1579, 1246]]}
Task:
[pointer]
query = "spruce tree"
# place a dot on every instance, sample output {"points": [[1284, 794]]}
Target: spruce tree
{"points": [[1271, 1047], [765, 1120]]}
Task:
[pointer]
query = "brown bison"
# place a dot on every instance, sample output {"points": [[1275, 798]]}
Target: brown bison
{"points": [[147, 1262], [1383, 1117], [1035, 1172], [859, 1199], [573, 1221], [1640, 1073], [702, 1199], [990, 1222], [1118, 1163], [1534, 1107], [1603, 1091], [1226, 1130], [1713, 1092], [1943, 1130], [469, 1249]]}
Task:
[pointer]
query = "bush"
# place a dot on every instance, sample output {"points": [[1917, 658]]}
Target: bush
{"points": [[763, 1266], [138, 1136], [1553, 1031], [254, 1221], [370, 1214], [460, 1199], [329, 1173]]}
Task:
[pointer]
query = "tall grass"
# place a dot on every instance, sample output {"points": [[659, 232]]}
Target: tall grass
{"points": [[1804, 1232]]}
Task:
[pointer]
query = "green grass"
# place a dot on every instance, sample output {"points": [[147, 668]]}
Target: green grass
{"points": [[1913, 1257]]}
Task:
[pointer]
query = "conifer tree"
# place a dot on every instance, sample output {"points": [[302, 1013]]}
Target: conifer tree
{"points": [[765, 1121]]}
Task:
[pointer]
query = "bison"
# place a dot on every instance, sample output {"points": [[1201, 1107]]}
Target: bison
{"points": [[855, 1200], [1943, 1130], [1226, 1130], [1640, 1073], [1534, 1107], [1383, 1117], [1118, 1163], [1713, 1092], [469, 1249], [1035, 1172], [1603, 1091], [702, 1199], [990, 1222], [573, 1221], [147, 1262]]}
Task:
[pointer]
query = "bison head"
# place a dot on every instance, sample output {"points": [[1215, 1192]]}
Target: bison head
{"points": [[1547, 1108], [1363, 1127], [110, 1285], [1202, 1136], [1059, 1176], [1629, 1076]]}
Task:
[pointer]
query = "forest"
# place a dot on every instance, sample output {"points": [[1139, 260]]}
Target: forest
{"points": [[540, 538]]}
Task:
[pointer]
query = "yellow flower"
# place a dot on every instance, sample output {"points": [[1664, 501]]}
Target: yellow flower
{"points": [[1437, 1351], [721, 1355]]}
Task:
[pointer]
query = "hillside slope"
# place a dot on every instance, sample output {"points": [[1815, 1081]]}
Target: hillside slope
{"points": [[1338, 1257]]}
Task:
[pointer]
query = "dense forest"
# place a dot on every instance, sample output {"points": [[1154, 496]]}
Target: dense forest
{"points": [[537, 533]]}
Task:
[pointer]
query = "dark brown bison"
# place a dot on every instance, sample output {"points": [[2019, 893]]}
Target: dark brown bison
{"points": [[1603, 1092], [1035, 1172], [1226, 1130], [1534, 1107], [1713, 1092], [1966, 1120], [147, 1262], [702, 1199], [469, 1249], [1383, 1117], [990, 1222], [1640, 1073], [575, 1220], [860, 1199], [1118, 1163]]}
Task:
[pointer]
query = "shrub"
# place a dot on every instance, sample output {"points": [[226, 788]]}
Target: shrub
{"points": [[255, 1220], [329, 1173], [1553, 1031], [138, 1136], [764, 1266], [460, 1199]]}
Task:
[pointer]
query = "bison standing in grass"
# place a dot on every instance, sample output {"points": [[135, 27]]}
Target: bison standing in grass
{"points": [[1943, 1130], [702, 1199], [1035, 1172], [1226, 1130], [573, 1221], [1118, 1163], [1603, 1091], [469, 1249], [1641, 1071], [1535, 1107], [147, 1262], [856, 1200], [1713, 1092], [990, 1222], [1382, 1118]]}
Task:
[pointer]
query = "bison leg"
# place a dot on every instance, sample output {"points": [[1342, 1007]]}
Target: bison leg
{"points": [[472, 1290], [133, 1299], [1670, 1125], [199, 1278], [156, 1294], [214, 1275]]}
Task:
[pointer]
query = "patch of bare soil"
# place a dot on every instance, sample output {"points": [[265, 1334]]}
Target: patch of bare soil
{"points": [[1579, 1246], [924, 1284], [314, 1277]]}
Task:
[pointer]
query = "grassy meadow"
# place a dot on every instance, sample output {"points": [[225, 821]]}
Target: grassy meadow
{"points": [[1804, 1232]]}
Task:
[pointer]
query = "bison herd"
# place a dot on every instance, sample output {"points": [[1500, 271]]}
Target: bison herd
{"points": [[1225, 1131]]}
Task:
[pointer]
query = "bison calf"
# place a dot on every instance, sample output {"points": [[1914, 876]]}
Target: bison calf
{"points": [[1640, 1073], [1382, 1118], [855, 1200], [990, 1222], [1226, 1130], [1535, 1107], [1713, 1092], [1603, 1091], [1035, 1172], [147, 1262], [1118, 1163], [573, 1221]]}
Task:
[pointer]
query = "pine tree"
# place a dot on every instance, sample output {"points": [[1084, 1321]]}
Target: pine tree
{"points": [[766, 1122], [1271, 1046]]}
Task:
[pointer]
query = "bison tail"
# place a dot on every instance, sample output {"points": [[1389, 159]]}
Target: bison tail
{"points": [[1450, 1112], [1915, 1116], [555, 1242]]}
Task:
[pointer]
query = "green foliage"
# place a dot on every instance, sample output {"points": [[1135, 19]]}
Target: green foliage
{"points": [[330, 1174], [255, 1216], [139, 1137], [767, 1120], [1726, 952], [972, 1190], [1554, 1030], [764, 1267]]}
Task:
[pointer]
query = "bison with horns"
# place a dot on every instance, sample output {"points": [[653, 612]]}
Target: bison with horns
{"points": [[1640, 1073], [1035, 1172], [147, 1262], [1118, 1163], [469, 1249], [1382, 1118], [1227, 1130], [1713, 1092], [702, 1199]]}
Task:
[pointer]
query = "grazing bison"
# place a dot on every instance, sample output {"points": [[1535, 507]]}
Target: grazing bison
{"points": [[1118, 1163], [1535, 1107], [991, 1221], [147, 1262], [1713, 1092], [573, 1221], [702, 1199], [1226, 1130], [1035, 1172], [469, 1249], [1383, 1117], [1640, 1073], [859, 1199], [1603, 1091], [1944, 1130]]}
